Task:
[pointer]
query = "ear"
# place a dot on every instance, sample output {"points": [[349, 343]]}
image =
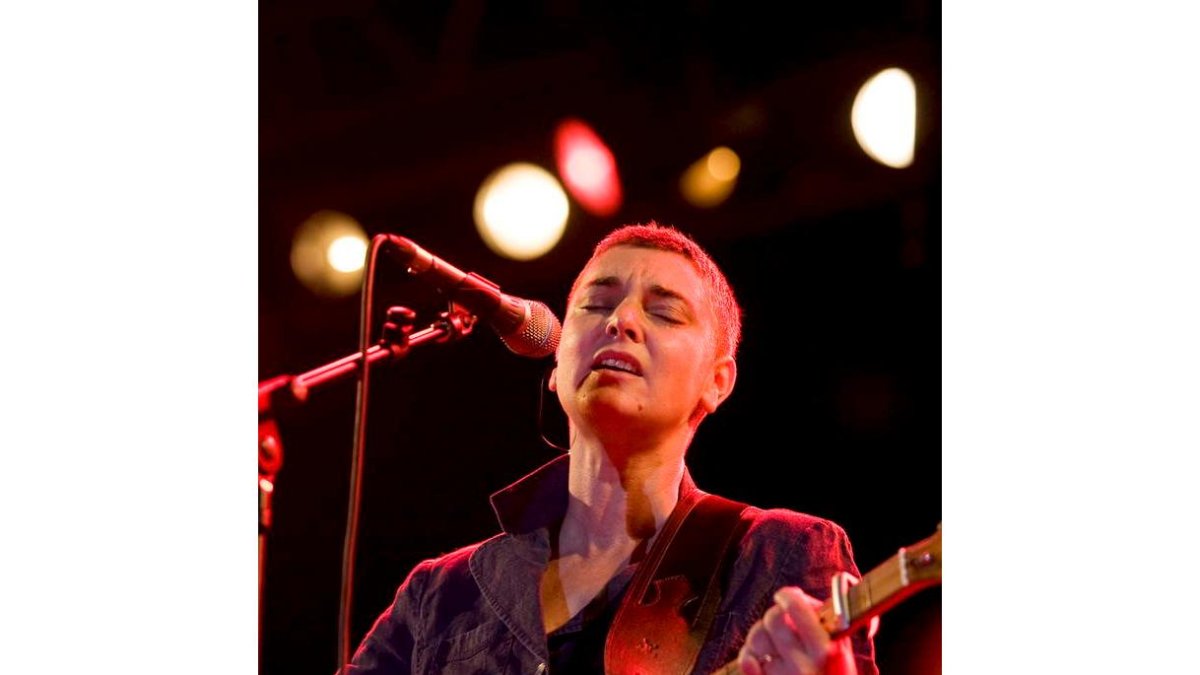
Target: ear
{"points": [[724, 376], [553, 379]]}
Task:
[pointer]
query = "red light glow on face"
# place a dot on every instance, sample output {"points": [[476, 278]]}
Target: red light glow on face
{"points": [[587, 167]]}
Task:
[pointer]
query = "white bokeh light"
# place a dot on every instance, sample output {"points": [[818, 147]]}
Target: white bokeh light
{"points": [[328, 252], [884, 117], [521, 211], [347, 253]]}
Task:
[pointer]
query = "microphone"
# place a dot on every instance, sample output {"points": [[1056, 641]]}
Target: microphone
{"points": [[526, 327]]}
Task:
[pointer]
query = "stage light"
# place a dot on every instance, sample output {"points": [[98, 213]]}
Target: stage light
{"points": [[884, 117], [711, 179], [328, 252], [347, 253], [521, 211], [587, 167], [723, 164]]}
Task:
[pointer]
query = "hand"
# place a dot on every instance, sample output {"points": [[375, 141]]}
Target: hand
{"points": [[789, 640]]}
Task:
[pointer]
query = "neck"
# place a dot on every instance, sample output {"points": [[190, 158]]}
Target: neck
{"points": [[619, 497]]}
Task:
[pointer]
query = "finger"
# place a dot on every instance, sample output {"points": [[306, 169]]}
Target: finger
{"points": [[757, 644], [748, 665], [801, 609], [794, 658]]}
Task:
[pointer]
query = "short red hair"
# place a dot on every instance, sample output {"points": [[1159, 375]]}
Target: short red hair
{"points": [[724, 304]]}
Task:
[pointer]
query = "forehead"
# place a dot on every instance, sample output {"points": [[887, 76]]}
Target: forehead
{"points": [[626, 265]]}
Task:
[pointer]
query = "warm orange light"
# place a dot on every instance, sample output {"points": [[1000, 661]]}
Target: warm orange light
{"points": [[723, 164], [711, 179], [328, 252]]}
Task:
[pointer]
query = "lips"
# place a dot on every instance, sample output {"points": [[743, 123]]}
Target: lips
{"points": [[618, 361]]}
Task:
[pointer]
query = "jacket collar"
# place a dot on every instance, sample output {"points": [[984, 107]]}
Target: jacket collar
{"points": [[539, 500], [508, 567]]}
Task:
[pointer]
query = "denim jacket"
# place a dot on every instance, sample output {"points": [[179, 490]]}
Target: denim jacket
{"points": [[477, 610]]}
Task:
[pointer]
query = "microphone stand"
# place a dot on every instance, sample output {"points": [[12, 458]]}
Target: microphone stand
{"points": [[290, 391]]}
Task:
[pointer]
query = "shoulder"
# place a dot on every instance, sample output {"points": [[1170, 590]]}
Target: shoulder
{"points": [[792, 530], [792, 548], [447, 569], [791, 524], [438, 586]]}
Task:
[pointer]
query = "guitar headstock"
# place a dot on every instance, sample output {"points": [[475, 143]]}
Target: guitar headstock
{"points": [[921, 563]]}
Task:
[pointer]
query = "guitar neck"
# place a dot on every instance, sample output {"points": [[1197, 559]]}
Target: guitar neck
{"points": [[898, 578]]}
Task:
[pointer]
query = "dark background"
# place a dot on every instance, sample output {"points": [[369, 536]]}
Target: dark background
{"points": [[395, 112]]}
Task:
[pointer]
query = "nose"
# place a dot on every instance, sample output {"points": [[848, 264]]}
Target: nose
{"points": [[624, 322]]}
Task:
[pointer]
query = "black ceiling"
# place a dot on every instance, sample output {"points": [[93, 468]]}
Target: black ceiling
{"points": [[394, 112]]}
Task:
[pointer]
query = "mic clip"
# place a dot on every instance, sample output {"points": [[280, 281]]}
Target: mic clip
{"points": [[456, 323], [453, 324]]}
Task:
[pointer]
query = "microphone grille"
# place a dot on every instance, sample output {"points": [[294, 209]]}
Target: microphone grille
{"points": [[538, 335]]}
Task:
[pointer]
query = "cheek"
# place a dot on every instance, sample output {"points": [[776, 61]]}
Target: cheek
{"points": [[564, 400], [690, 352], [692, 365], [566, 369], [573, 349]]}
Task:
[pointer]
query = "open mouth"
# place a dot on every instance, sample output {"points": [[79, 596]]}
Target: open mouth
{"points": [[618, 362]]}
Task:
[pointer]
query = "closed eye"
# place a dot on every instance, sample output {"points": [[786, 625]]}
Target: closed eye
{"points": [[669, 313], [669, 318]]}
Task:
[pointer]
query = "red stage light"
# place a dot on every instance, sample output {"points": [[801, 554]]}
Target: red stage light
{"points": [[587, 168]]}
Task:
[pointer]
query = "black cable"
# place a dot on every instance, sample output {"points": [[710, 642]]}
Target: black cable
{"points": [[542, 410], [356, 457]]}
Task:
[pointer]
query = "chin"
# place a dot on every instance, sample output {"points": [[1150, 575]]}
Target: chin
{"points": [[609, 408], [605, 409]]}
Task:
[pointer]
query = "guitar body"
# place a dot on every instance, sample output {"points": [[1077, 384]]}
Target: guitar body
{"points": [[628, 645]]}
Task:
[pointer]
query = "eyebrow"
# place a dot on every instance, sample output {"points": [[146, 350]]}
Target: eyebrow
{"points": [[655, 289]]}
